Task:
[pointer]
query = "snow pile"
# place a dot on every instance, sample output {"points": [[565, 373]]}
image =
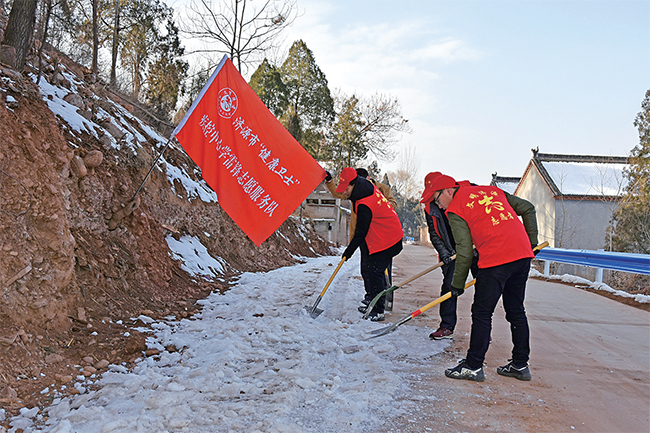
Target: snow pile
{"points": [[195, 258], [255, 361], [53, 96], [193, 189], [566, 278]]}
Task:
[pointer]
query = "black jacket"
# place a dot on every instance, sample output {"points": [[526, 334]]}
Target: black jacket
{"points": [[364, 188], [440, 232]]}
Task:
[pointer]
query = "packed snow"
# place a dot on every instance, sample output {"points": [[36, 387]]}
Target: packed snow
{"points": [[253, 360]]}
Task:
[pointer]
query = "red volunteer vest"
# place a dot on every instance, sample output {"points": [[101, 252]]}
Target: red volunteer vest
{"points": [[497, 232], [385, 227]]}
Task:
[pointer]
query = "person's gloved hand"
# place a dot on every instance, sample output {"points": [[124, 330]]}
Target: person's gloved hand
{"points": [[456, 292], [534, 250], [347, 253], [328, 177], [446, 259]]}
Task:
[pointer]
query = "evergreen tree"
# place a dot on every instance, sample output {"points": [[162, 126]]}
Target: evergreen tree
{"points": [[630, 227], [196, 83], [311, 107], [142, 37], [267, 83], [345, 135], [167, 72]]}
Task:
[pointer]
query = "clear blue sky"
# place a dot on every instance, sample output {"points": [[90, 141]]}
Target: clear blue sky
{"points": [[484, 82]]}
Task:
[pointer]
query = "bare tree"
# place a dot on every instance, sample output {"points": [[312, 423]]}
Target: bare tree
{"points": [[115, 46], [244, 29], [382, 122], [405, 180], [94, 67], [43, 37], [610, 189], [365, 126], [406, 186]]}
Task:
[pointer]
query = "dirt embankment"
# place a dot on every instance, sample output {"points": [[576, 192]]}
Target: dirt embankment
{"points": [[69, 285]]}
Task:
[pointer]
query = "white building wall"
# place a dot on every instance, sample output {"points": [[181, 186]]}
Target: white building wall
{"points": [[582, 224], [533, 189]]}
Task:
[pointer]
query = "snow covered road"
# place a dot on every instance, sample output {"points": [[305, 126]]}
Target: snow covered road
{"points": [[255, 361]]}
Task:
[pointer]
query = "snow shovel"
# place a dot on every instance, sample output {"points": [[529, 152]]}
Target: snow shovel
{"points": [[393, 288], [390, 328], [389, 296], [313, 311]]}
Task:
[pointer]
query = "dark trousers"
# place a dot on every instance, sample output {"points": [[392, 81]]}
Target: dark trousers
{"points": [[373, 268], [365, 269], [448, 308], [507, 281]]}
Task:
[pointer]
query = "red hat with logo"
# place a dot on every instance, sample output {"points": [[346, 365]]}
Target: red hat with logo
{"points": [[347, 175], [442, 182], [428, 192]]}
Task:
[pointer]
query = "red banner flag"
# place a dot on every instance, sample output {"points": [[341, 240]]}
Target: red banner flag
{"points": [[260, 173]]}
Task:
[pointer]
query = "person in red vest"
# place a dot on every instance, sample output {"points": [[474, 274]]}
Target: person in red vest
{"points": [[443, 241], [386, 191], [378, 233], [487, 217]]}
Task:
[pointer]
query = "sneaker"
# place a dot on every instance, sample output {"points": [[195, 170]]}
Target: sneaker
{"points": [[377, 317], [364, 306], [441, 333], [521, 373], [462, 371]]}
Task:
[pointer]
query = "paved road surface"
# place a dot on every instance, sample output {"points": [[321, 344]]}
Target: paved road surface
{"points": [[590, 363]]}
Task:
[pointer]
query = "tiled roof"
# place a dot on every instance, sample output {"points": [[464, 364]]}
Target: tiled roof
{"points": [[508, 184], [582, 175]]}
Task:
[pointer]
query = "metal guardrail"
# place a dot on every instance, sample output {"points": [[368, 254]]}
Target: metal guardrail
{"points": [[627, 262]]}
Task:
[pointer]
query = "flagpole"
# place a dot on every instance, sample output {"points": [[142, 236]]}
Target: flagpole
{"points": [[205, 88], [182, 122], [152, 167], [132, 204]]}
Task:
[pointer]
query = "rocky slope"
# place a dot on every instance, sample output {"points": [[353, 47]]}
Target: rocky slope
{"points": [[77, 261]]}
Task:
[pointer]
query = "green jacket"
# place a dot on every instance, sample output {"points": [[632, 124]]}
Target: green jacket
{"points": [[463, 237]]}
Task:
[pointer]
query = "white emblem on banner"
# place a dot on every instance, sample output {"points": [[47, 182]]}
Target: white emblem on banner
{"points": [[227, 102]]}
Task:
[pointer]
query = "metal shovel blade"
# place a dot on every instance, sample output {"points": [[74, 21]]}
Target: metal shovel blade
{"points": [[388, 329], [382, 331], [313, 311]]}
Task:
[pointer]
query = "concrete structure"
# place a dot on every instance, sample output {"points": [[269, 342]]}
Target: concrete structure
{"points": [[330, 216]]}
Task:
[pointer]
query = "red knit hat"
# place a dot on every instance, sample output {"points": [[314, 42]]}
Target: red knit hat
{"points": [[347, 175]]}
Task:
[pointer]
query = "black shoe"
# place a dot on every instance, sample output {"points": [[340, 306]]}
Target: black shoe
{"points": [[521, 373], [377, 317], [462, 371]]}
